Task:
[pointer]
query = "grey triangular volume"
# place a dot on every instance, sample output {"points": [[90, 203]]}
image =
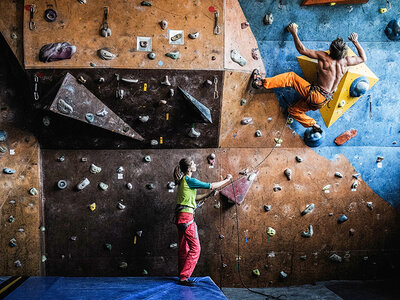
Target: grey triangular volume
{"points": [[202, 109], [75, 101]]}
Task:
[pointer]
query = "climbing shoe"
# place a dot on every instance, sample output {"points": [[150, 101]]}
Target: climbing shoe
{"points": [[186, 282], [256, 80], [316, 128]]}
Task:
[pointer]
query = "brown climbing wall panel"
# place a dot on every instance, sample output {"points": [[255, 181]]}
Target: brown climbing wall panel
{"points": [[11, 14], [67, 213], [79, 24], [169, 122], [241, 40], [260, 107]]}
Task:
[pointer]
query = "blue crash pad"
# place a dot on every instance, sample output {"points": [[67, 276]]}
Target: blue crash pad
{"points": [[122, 288]]}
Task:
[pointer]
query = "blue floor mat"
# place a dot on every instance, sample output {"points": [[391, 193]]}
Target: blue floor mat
{"points": [[122, 288]]}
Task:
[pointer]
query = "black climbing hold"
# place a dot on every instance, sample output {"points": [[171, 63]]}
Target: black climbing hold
{"points": [[201, 109]]}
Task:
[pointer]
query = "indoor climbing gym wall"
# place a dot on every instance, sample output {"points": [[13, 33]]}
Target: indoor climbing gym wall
{"points": [[101, 99]]}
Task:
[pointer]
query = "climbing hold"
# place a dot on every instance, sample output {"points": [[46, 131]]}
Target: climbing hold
{"points": [[73, 238], [61, 158], [164, 24], [13, 242], [244, 25], [352, 231], [151, 55], [211, 159], [64, 108], [326, 187], [3, 136], [82, 1], [330, 214], [254, 54], [342, 103], [383, 10], [89, 117], [103, 186], [144, 273], [46, 121], [268, 19], [173, 245], [256, 272], [237, 58], [3, 149], [343, 218], [105, 54], [44, 258], [120, 169], [94, 169], [224, 265], [171, 93], [50, 15], [278, 141], [356, 176], [108, 247], [359, 86], [379, 159], [311, 138], [145, 3], [11, 219], [243, 102], [221, 236], [150, 186], [258, 133], [345, 136], [299, 159], [217, 205], [62, 184], [267, 207], [335, 258], [56, 51], [193, 133], [84, 159], [13, 35], [154, 142], [271, 231], [33, 191], [17, 264], [303, 257], [193, 36], [171, 185], [123, 265], [309, 208], [173, 55], [102, 113], [163, 102], [277, 188], [289, 121], [370, 205], [8, 171], [81, 79], [392, 30], [176, 37], [282, 275], [246, 120], [42, 228], [338, 175], [288, 173], [309, 233], [166, 81], [144, 119], [92, 206], [129, 186], [354, 185], [252, 176], [121, 206], [139, 233], [84, 183], [147, 158]]}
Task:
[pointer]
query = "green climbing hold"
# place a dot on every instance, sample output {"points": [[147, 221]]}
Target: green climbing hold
{"points": [[108, 247], [89, 117], [103, 186], [144, 273], [256, 272], [145, 3], [173, 55], [33, 191]]}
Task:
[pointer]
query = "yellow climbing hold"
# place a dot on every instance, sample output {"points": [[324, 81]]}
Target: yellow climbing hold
{"points": [[92, 206], [382, 10]]}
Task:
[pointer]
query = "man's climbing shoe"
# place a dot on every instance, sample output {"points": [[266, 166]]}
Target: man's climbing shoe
{"points": [[186, 282], [256, 80]]}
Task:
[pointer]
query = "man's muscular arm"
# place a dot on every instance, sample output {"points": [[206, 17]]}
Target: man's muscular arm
{"points": [[355, 60], [299, 45]]}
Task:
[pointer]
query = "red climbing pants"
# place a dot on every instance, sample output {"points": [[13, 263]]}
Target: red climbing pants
{"points": [[188, 247], [302, 86]]}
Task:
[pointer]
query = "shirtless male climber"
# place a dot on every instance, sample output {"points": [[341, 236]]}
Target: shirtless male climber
{"points": [[331, 68]]}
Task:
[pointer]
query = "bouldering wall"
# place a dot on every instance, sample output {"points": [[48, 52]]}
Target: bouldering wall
{"points": [[19, 161]]}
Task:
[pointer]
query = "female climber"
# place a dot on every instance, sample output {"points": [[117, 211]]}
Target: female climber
{"points": [[189, 244]]}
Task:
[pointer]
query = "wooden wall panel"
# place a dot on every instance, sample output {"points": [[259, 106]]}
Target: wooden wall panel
{"points": [[79, 24], [326, 2], [239, 39], [259, 107]]}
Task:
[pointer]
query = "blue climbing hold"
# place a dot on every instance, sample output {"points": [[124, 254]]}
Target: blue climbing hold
{"points": [[359, 86], [342, 218], [3, 135], [8, 171], [392, 30], [313, 139], [89, 117]]}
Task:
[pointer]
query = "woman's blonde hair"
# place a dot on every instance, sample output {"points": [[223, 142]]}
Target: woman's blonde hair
{"points": [[181, 169]]}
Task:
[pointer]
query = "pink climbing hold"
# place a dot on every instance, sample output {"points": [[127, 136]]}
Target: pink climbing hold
{"points": [[211, 9], [345, 136], [237, 191]]}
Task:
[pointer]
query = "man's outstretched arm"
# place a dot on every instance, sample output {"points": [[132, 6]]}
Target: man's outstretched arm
{"points": [[362, 57], [299, 45]]}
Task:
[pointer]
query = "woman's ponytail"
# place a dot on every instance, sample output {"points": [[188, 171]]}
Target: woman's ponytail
{"points": [[181, 169]]}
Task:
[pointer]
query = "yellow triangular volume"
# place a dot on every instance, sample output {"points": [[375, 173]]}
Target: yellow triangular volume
{"points": [[331, 112]]}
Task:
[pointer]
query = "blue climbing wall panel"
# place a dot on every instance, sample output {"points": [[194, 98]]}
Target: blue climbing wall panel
{"points": [[379, 127]]}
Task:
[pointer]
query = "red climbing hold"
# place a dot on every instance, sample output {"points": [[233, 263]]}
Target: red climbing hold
{"points": [[236, 191], [211, 9], [345, 136]]}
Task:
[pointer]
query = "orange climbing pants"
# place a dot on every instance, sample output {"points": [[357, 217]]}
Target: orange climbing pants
{"points": [[189, 245], [309, 100]]}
